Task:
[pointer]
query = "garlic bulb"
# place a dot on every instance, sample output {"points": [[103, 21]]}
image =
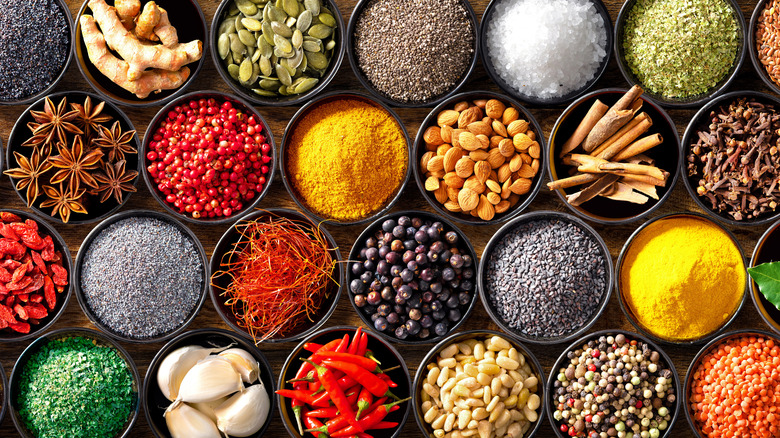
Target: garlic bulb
{"points": [[210, 379], [244, 362], [209, 407], [244, 413], [176, 364], [185, 421]]}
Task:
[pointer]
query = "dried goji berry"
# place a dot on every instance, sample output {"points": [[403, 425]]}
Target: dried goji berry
{"points": [[8, 232], [11, 248], [3, 323], [36, 298], [36, 258], [48, 291], [6, 216], [60, 275], [21, 327], [10, 300], [35, 285], [20, 272], [5, 275], [36, 311], [6, 314], [21, 311], [29, 236], [48, 251], [23, 297], [23, 283], [31, 224], [9, 264]]}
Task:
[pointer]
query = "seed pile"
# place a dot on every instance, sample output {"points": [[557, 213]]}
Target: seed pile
{"points": [[34, 41], [142, 277], [767, 39], [414, 50], [735, 157], [614, 386], [546, 48], [546, 277]]}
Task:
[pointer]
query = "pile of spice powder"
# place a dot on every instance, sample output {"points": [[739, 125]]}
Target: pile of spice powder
{"points": [[34, 46], [74, 388], [142, 277], [546, 277], [346, 158], [546, 48], [414, 50], [681, 48], [682, 278]]}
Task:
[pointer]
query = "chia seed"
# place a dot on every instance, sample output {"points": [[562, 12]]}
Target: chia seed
{"points": [[546, 278], [414, 50], [142, 277], [34, 46]]}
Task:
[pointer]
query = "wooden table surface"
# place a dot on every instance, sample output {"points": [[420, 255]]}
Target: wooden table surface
{"points": [[615, 236]]}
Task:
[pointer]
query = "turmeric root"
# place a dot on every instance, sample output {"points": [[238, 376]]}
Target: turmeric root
{"points": [[147, 21], [116, 69], [139, 56], [164, 31], [127, 11]]}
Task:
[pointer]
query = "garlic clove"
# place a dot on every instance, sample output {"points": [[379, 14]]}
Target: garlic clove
{"points": [[244, 413], [210, 379], [244, 362], [209, 407], [175, 365], [184, 421]]}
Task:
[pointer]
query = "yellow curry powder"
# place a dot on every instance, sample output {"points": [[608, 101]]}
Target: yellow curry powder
{"points": [[682, 278], [347, 158]]}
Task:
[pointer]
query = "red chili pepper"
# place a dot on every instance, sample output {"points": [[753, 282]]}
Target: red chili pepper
{"points": [[330, 412], [306, 368], [363, 435], [340, 421], [303, 396], [314, 347], [363, 345], [369, 421], [370, 381], [388, 380], [343, 345], [385, 425], [364, 401], [360, 361], [355, 341], [345, 382], [313, 423], [336, 394]]}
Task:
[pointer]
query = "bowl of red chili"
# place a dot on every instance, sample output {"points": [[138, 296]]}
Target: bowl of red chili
{"points": [[276, 276], [355, 375]]}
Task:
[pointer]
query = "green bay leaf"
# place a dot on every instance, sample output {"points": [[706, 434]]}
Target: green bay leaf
{"points": [[767, 277]]}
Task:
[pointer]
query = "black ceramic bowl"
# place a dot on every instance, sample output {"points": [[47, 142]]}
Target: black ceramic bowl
{"points": [[712, 345], [238, 104], [155, 403], [232, 236], [422, 373], [96, 210], [99, 339], [691, 101], [752, 47], [384, 352], [353, 61], [288, 134], [463, 243], [3, 393], [766, 252], [563, 361], [186, 16], [630, 314], [297, 99], [499, 237], [85, 245], [487, 17], [419, 151], [702, 121], [8, 335], [668, 156], [69, 55]]}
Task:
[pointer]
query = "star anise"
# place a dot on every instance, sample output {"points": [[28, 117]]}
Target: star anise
{"points": [[64, 202], [28, 173], [115, 181], [89, 118], [54, 122], [74, 164], [116, 141]]}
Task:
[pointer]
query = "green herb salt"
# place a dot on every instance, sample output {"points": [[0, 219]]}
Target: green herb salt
{"points": [[681, 48], [74, 388]]}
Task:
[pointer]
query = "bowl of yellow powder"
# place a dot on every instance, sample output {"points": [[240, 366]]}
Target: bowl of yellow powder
{"points": [[681, 278], [345, 158]]}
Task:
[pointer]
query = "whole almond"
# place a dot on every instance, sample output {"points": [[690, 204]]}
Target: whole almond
{"points": [[488, 121], [480, 103], [474, 213], [522, 142], [452, 206], [480, 127], [468, 199], [505, 192], [494, 198], [531, 135], [451, 179], [517, 127], [474, 184], [447, 118], [506, 148], [446, 134], [456, 137], [493, 175], [461, 106], [464, 167], [504, 172], [502, 206], [482, 170], [534, 150], [513, 199], [484, 141], [494, 108], [468, 117], [499, 128], [493, 185], [452, 193], [521, 186], [451, 157], [431, 184], [432, 136], [443, 148], [495, 158], [441, 193], [515, 163], [469, 141], [527, 159], [510, 115], [526, 171], [535, 166], [485, 209], [438, 174], [425, 158], [436, 164], [478, 155], [496, 140]]}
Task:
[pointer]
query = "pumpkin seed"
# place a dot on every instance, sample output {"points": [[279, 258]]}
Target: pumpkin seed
{"points": [[227, 26], [304, 21], [286, 64], [317, 60], [252, 24], [296, 60], [269, 84], [232, 10], [258, 2], [327, 19], [245, 71], [291, 21], [264, 93], [320, 31], [264, 48], [282, 43], [265, 66], [275, 14], [237, 22], [256, 56], [229, 59], [246, 7], [330, 45], [281, 29], [305, 85], [297, 39], [268, 33], [223, 45], [284, 55], [283, 91], [247, 38], [304, 65], [312, 6], [235, 44], [283, 75], [291, 7], [312, 46], [233, 71]]}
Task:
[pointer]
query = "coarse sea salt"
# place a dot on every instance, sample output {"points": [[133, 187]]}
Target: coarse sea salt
{"points": [[546, 48]]}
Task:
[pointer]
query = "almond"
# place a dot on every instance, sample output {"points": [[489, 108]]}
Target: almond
{"points": [[526, 171], [495, 158], [451, 157], [506, 148], [464, 167], [431, 184], [452, 206], [484, 141], [521, 186], [480, 127], [504, 173], [447, 118], [474, 184], [456, 137], [425, 158], [527, 159], [505, 192], [482, 170], [493, 185], [443, 148], [446, 134], [468, 117], [468, 199], [493, 175], [495, 141], [531, 135], [452, 193], [521, 142], [535, 166], [494, 108], [534, 150], [480, 103], [502, 206], [469, 141], [461, 106], [438, 174], [499, 128], [441, 193], [451, 179], [513, 199], [432, 136], [485, 209], [478, 155], [494, 198], [515, 163], [435, 164], [510, 115], [517, 127], [488, 121], [474, 213], [430, 147]]}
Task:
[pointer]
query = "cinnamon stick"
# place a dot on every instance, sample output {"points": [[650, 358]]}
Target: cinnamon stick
{"points": [[628, 168], [595, 113], [592, 190], [572, 181], [624, 192], [639, 146], [631, 95], [641, 187], [647, 179], [621, 132], [626, 139], [617, 116]]}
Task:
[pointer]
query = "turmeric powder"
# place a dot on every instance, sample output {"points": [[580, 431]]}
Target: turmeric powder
{"points": [[682, 278], [346, 158]]}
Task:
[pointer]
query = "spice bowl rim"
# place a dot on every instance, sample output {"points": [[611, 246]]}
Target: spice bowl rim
{"points": [[161, 116], [690, 133], [509, 227], [4, 399], [721, 338], [289, 130], [86, 245], [452, 338], [487, 16], [390, 350], [245, 93], [226, 239], [69, 22], [755, 293], [698, 99], [625, 308], [357, 12], [62, 299], [419, 149], [760, 70], [377, 225], [675, 172], [14, 143], [678, 403], [149, 380], [64, 333], [96, 82]]}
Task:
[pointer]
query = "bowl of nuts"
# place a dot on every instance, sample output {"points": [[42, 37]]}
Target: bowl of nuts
{"points": [[477, 158]]}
